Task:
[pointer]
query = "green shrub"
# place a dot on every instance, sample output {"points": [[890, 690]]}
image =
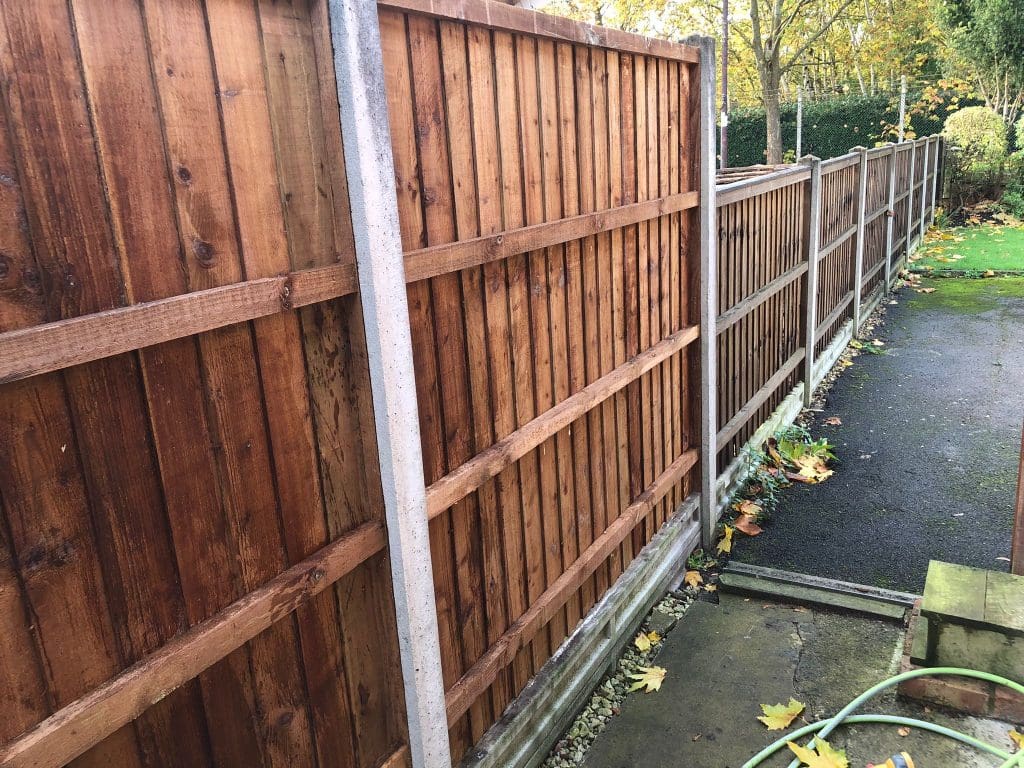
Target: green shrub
{"points": [[980, 135]]}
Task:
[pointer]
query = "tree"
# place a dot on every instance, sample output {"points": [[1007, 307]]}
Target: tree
{"points": [[772, 23], [987, 38]]}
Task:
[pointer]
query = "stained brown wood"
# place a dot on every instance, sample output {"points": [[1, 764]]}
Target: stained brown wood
{"points": [[499, 654], [74, 728]]}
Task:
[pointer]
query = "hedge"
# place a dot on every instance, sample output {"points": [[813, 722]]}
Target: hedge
{"points": [[831, 128]]}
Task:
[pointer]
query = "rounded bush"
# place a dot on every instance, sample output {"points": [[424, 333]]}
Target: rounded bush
{"points": [[980, 133]]}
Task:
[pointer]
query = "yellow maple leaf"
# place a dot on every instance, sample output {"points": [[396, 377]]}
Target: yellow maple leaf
{"points": [[693, 579], [646, 640], [778, 716], [648, 678], [711, 587], [725, 545], [748, 507], [823, 755], [1017, 738], [813, 468]]}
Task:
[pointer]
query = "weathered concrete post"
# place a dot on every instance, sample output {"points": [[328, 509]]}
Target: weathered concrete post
{"points": [[812, 238], [858, 253], [708, 296], [370, 169]]}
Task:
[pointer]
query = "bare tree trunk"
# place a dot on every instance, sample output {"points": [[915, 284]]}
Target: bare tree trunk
{"points": [[773, 119]]}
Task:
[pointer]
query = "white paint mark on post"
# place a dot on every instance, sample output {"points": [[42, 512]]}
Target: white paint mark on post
{"points": [[362, 98], [858, 253], [812, 238], [708, 295]]}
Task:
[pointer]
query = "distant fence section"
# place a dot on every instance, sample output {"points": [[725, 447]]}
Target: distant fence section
{"points": [[805, 253], [358, 363]]}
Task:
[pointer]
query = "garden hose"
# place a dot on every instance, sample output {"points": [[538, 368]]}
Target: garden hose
{"points": [[845, 715]]}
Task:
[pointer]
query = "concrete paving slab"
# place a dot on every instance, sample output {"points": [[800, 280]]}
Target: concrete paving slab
{"points": [[725, 660]]}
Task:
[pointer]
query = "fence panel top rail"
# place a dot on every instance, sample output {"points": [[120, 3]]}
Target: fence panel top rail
{"points": [[734, 191], [506, 18]]}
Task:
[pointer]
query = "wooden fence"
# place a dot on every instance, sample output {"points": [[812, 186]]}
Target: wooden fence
{"points": [[243, 245], [805, 253]]}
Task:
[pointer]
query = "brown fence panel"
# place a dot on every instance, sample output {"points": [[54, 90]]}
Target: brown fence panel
{"points": [[149, 151], [761, 268], [496, 129], [839, 187]]}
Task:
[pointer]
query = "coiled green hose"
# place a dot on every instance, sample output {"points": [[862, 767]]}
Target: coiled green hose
{"points": [[845, 715]]}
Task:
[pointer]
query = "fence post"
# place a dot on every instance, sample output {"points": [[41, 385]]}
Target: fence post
{"points": [[910, 200], [812, 238], [858, 253], [890, 217], [939, 157], [708, 297], [924, 190], [359, 70]]}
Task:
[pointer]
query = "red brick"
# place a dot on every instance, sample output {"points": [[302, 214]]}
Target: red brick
{"points": [[1008, 705]]}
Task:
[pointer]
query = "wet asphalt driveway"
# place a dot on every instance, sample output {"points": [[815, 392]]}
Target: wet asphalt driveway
{"points": [[928, 446]]}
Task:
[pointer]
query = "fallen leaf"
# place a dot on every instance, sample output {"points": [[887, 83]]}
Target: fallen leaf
{"points": [[725, 545], [990, 273], [748, 524], [642, 643], [925, 290], [711, 587], [747, 507], [834, 421], [823, 756], [779, 716], [813, 468], [904, 731], [648, 678], [693, 579], [1018, 739]]}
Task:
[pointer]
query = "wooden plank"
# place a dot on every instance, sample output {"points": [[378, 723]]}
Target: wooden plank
{"points": [[441, 366], [64, 343], [502, 17], [445, 492], [551, 330], [826, 325], [461, 254], [465, 319], [524, 478], [842, 238], [496, 416], [575, 142], [727, 194], [738, 311], [501, 653], [79, 725]]}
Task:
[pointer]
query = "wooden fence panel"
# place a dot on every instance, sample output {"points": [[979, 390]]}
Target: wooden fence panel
{"points": [[761, 263], [146, 491], [493, 131], [839, 185]]}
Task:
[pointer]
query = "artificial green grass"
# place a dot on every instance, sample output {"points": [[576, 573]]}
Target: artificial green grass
{"points": [[973, 249]]}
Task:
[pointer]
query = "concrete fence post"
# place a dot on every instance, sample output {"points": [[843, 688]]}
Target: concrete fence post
{"points": [[939, 157], [890, 217], [858, 251], [924, 191], [370, 169], [708, 297], [910, 200], [812, 241]]}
